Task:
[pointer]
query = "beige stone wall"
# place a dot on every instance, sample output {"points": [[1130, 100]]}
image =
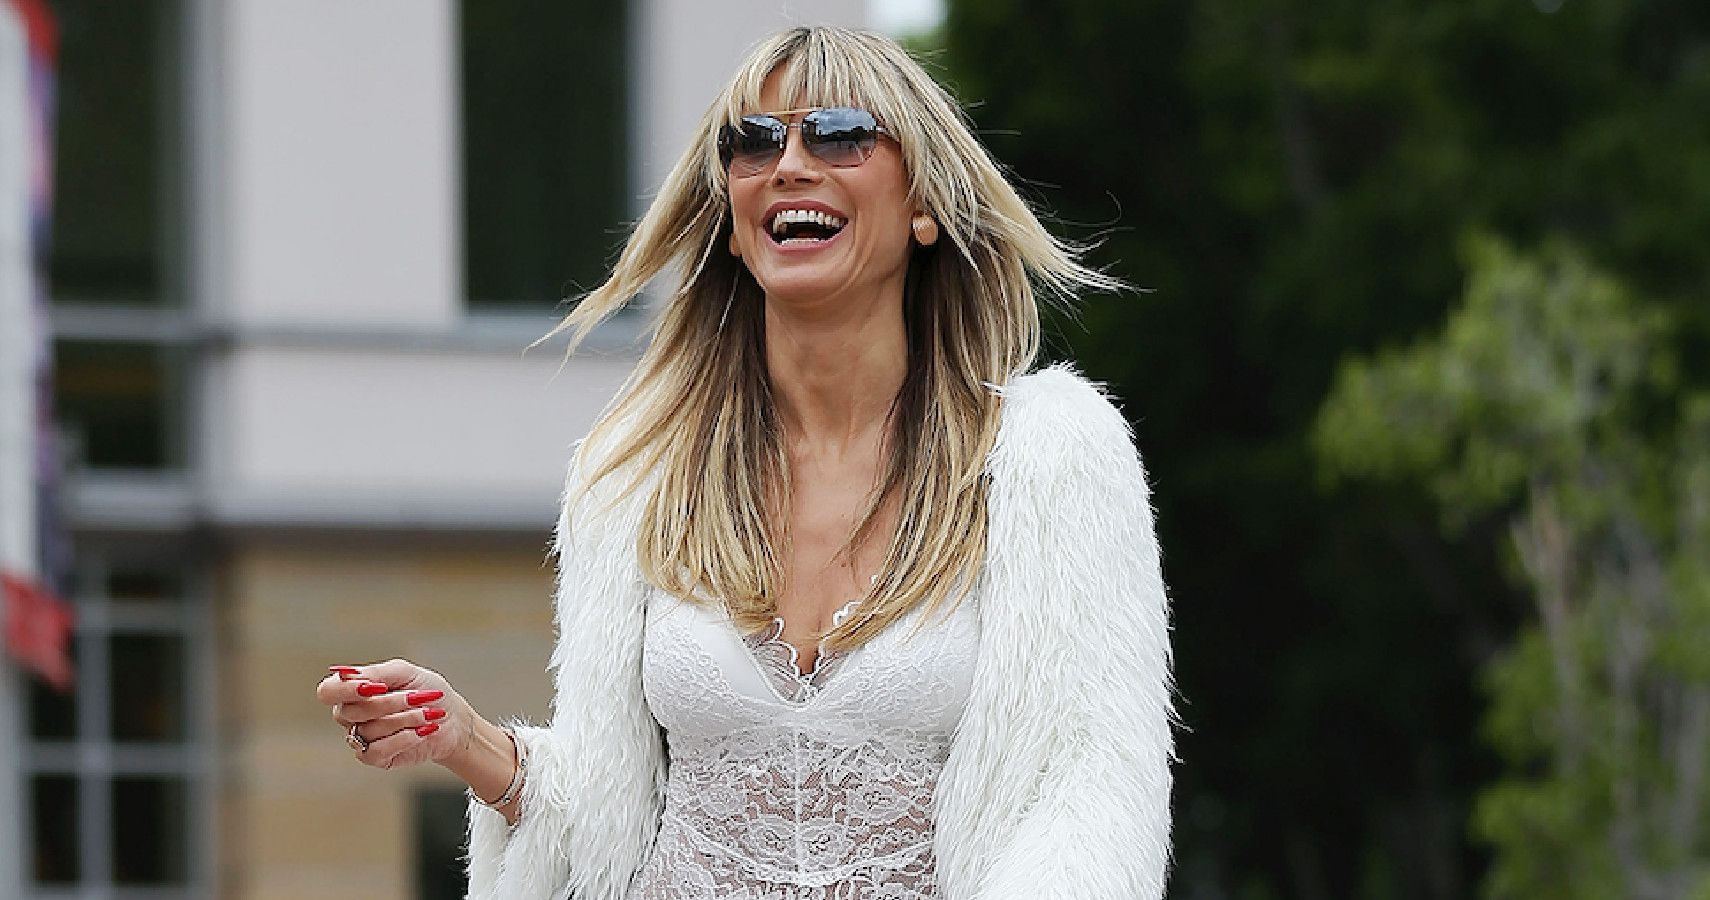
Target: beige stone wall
{"points": [[299, 818]]}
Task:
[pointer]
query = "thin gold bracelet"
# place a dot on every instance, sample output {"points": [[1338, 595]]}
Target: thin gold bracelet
{"points": [[515, 787]]}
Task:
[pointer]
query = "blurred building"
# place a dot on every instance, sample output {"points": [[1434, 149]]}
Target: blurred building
{"points": [[299, 249]]}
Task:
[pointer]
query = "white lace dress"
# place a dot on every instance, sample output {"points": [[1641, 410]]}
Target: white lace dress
{"points": [[786, 785]]}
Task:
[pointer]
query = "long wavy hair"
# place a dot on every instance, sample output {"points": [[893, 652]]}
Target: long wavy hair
{"points": [[696, 419]]}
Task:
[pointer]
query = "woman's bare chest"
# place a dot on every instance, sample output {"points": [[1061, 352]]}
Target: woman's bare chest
{"points": [[823, 567]]}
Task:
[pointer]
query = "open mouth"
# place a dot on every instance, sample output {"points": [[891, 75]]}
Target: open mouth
{"points": [[794, 227]]}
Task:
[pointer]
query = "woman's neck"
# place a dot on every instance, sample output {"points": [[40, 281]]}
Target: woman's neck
{"points": [[835, 376]]}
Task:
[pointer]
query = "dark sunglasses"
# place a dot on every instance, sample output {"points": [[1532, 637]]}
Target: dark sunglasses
{"points": [[840, 136]]}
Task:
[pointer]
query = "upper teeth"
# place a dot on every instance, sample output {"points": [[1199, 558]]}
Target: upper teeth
{"points": [[805, 217]]}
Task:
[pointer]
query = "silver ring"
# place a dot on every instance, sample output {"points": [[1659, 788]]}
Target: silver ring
{"points": [[355, 741]]}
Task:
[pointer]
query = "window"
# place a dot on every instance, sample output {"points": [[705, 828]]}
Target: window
{"points": [[114, 767], [115, 773], [545, 148], [115, 209], [120, 403]]}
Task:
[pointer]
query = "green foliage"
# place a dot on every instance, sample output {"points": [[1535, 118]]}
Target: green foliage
{"points": [[1292, 181], [1544, 354], [1550, 396]]}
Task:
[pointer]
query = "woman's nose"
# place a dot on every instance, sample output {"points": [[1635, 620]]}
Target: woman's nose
{"points": [[797, 163]]}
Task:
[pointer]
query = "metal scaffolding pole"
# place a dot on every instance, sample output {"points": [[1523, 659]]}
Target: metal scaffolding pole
{"points": [[17, 420]]}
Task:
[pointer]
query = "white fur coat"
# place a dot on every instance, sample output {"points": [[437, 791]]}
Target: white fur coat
{"points": [[1058, 779]]}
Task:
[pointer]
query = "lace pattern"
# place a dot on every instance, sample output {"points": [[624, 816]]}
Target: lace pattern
{"points": [[792, 785], [781, 662]]}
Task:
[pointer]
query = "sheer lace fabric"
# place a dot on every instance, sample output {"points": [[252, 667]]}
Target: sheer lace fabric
{"points": [[791, 785]]}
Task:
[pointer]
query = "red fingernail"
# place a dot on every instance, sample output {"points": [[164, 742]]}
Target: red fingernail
{"points": [[417, 698], [427, 729], [345, 673], [371, 689], [433, 712]]}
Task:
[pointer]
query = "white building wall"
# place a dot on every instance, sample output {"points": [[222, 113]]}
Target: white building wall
{"points": [[402, 437], [341, 167]]}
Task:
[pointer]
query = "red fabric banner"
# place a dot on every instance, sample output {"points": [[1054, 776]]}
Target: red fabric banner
{"points": [[38, 630]]}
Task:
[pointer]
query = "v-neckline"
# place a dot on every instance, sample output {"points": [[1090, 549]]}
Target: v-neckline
{"points": [[809, 684]]}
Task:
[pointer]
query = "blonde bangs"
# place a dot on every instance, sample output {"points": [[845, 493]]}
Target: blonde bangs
{"points": [[696, 420]]}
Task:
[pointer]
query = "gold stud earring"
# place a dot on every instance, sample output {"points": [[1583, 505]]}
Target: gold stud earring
{"points": [[925, 229], [734, 249]]}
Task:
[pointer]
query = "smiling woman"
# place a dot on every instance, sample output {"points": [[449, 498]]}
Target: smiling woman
{"points": [[787, 193], [850, 603]]}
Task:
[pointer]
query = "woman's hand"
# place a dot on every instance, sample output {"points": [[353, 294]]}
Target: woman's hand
{"points": [[401, 713]]}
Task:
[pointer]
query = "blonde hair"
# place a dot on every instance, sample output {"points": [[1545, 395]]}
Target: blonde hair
{"points": [[698, 414]]}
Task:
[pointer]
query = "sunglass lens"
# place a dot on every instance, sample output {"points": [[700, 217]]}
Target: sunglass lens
{"points": [[751, 145], [841, 135]]}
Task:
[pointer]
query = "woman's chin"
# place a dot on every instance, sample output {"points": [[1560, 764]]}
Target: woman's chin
{"points": [[797, 296], [803, 286]]}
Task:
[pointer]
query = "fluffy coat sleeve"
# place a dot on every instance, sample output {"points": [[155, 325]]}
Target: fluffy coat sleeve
{"points": [[590, 804], [1059, 780]]}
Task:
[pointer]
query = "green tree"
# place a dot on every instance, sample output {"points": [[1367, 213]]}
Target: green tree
{"points": [[1552, 398], [1290, 180]]}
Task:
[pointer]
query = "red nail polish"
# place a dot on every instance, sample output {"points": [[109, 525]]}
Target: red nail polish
{"points": [[371, 689], [427, 729], [417, 698], [345, 673], [433, 712]]}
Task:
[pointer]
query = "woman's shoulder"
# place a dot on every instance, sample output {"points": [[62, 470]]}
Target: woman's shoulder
{"points": [[1055, 417]]}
